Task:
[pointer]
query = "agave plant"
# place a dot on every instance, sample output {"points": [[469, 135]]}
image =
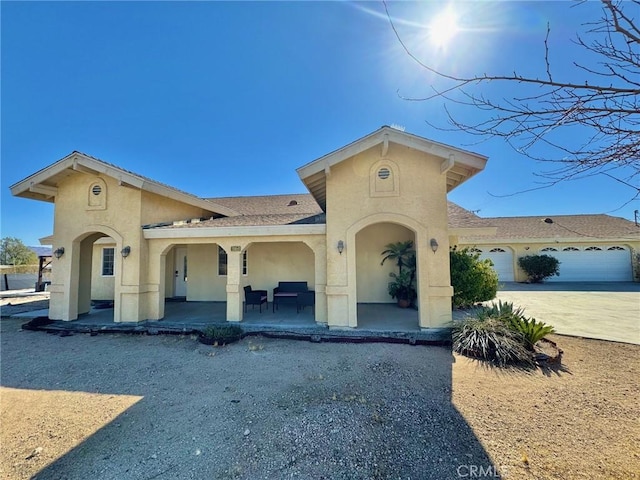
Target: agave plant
{"points": [[531, 330], [490, 339]]}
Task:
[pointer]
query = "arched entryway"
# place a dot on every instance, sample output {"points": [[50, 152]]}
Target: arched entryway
{"points": [[376, 309], [95, 274]]}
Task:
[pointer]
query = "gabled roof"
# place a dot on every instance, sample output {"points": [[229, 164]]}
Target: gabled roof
{"points": [[574, 227], [459, 165], [43, 185]]}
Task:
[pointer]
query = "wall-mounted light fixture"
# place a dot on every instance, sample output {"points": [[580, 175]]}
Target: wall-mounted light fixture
{"points": [[125, 251], [340, 246], [434, 245], [58, 252]]}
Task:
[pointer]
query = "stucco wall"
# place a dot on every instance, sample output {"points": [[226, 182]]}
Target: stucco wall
{"points": [[373, 278], [268, 263], [416, 198]]}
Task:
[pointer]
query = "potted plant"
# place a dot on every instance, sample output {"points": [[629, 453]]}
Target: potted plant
{"points": [[402, 288], [220, 335]]}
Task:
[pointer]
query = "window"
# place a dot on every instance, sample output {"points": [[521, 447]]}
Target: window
{"points": [[222, 262], [570, 249], [615, 248], [475, 250], [108, 261], [549, 249], [592, 249], [498, 250]]}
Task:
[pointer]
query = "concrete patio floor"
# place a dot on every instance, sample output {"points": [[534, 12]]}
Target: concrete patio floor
{"points": [[377, 322]]}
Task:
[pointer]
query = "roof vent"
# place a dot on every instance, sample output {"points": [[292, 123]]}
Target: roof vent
{"points": [[548, 220], [292, 203]]}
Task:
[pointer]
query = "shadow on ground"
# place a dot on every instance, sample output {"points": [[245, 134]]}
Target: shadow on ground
{"points": [[261, 408]]}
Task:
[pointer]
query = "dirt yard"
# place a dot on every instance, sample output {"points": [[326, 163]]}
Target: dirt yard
{"points": [[167, 407]]}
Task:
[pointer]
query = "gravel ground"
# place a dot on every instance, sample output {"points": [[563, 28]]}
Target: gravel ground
{"points": [[167, 407]]}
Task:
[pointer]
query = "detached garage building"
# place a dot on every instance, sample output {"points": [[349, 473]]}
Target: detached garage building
{"points": [[590, 248]]}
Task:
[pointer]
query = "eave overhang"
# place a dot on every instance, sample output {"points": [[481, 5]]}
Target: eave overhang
{"points": [[43, 185], [458, 165]]}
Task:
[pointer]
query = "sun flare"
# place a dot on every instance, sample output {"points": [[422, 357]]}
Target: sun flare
{"points": [[443, 28]]}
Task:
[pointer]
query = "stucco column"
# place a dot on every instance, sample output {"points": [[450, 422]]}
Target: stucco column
{"points": [[320, 281], [434, 281], [234, 270], [63, 300], [156, 275]]}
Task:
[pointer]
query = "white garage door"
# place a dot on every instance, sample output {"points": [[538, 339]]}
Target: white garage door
{"points": [[591, 264], [502, 259]]}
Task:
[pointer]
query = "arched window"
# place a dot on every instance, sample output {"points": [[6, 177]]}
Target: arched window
{"points": [[570, 249], [592, 249], [498, 250], [616, 247], [549, 249]]}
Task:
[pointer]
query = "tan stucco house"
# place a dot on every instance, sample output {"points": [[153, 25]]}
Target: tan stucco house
{"points": [[127, 238]]}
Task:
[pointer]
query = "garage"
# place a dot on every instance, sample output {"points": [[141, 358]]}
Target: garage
{"points": [[592, 263], [502, 259]]}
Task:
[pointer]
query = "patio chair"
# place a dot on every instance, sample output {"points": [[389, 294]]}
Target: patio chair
{"points": [[306, 299], [255, 297]]}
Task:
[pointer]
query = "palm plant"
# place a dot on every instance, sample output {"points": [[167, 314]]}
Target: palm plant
{"points": [[401, 252]]}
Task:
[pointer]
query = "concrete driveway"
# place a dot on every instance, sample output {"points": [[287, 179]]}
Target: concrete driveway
{"points": [[606, 311]]}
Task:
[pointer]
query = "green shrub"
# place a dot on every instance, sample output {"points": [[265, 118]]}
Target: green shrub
{"points": [[491, 339], [222, 332], [473, 280], [539, 267]]}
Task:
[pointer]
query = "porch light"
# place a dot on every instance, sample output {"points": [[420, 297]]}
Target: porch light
{"points": [[340, 246], [58, 252], [125, 251], [434, 245]]}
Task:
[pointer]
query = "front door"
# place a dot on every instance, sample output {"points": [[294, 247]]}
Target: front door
{"points": [[180, 288]]}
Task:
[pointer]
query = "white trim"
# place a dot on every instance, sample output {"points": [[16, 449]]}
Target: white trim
{"points": [[243, 231], [82, 163], [463, 157], [102, 264]]}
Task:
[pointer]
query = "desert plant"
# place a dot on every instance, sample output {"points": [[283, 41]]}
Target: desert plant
{"points": [[531, 330], [539, 267], [491, 339], [222, 333], [473, 280]]}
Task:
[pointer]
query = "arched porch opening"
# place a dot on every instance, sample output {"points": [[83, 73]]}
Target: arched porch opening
{"points": [[376, 309], [95, 276]]}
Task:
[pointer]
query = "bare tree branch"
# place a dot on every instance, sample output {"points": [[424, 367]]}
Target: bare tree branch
{"points": [[592, 124]]}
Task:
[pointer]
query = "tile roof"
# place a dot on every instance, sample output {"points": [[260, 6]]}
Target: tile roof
{"points": [[294, 209], [561, 226], [302, 209]]}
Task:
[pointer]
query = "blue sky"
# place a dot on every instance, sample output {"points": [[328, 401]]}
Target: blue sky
{"points": [[223, 99]]}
